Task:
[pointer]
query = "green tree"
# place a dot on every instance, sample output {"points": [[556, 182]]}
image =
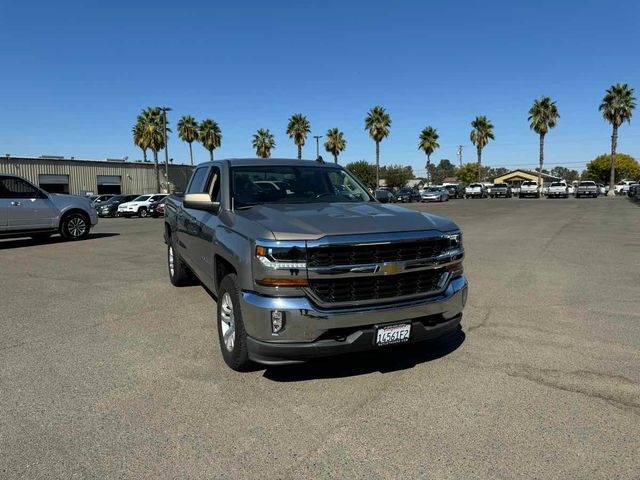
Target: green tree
{"points": [[209, 135], [188, 132], [298, 128], [428, 143], [565, 173], [397, 176], [263, 142], [494, 172], [444, 169], [480, 135], [152, 131], [469, 173], [617, 107], [364, 171], [543, 116], [335, 143], [378, 123], [625, 166], [139, 139]]}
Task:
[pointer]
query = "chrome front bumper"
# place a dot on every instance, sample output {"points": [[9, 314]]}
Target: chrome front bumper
{"points": [[305, 322]]}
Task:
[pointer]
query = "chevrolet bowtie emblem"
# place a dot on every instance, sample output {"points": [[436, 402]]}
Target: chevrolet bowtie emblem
{"points": [[389, 268]]}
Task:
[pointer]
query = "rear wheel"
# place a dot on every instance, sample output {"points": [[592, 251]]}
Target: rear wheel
{"points": [[231, 332], [75, 226]]}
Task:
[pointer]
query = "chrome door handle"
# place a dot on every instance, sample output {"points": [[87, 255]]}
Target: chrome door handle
{"points": [[16, 204]]}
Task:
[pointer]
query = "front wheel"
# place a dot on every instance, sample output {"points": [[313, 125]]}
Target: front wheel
{"points": [[74, 226], [143, 213], [231, 332], [179, 273]]}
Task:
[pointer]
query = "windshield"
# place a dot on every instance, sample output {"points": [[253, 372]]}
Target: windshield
{"points": [[587, 184], [141, 198], [558, 184], [475, 185], [291, 184], [529, 184], [500, 185]]}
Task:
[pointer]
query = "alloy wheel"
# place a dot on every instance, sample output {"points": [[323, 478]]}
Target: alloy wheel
{"points": [[227, 322]]}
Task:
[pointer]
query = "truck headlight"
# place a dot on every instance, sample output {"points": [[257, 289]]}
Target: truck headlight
{"points": [[285, 257], [455, 241], [281, 264]]}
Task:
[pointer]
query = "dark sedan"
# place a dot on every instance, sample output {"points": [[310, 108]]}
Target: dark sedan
{"points": [[408, 195], [109, 208], [157, 209], [385, 196]]}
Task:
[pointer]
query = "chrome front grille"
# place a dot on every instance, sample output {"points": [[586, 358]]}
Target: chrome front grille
{"points": [[380, 268]]}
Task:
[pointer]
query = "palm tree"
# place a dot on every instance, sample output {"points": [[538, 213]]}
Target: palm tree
{"points": [[152, 135], [138, 138], [263, 142], [617, 107], [428, 144], [188, 132], [543, 116], [298, 128], [335, 143], [480, 135], [378, 122], [209, 135]]}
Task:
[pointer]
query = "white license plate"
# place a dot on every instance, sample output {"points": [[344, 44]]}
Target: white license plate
{"points": [[393, 334]]}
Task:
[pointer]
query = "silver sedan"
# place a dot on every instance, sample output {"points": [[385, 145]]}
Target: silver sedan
{"points": [[435, 194]]}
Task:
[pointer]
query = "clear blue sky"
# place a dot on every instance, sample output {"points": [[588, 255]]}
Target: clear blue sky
{"points": [[76, 74]]}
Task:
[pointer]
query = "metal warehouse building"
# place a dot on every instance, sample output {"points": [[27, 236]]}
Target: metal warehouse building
{"points": [[87, 177]]}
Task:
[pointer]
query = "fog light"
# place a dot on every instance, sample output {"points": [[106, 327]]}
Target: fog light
{"points": [[277, 321]]}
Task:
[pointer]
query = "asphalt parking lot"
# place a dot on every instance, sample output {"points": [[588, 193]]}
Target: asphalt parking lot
{"points": [[107, 371]]}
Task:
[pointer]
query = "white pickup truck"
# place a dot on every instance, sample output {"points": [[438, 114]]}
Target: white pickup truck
{"points": [[529, 189], [558, 190], [475, 190]]}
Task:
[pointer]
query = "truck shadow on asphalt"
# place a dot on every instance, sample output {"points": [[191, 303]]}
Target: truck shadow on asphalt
{"points": [[383, 361], [29, 242]]}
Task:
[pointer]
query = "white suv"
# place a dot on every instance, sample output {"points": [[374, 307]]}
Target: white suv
{"points": [[139, 206]]}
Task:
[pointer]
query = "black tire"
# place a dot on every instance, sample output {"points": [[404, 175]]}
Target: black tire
{"points": [[143, 212], [179, 273], [235, 356], [75, 226]]}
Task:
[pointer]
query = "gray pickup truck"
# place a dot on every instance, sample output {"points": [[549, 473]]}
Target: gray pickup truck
{"points": [[587, 189], [28, 211], [304, 262]]}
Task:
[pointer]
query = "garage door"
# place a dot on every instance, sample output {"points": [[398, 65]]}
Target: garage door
{"points": [[109, 184], [54, 183]]}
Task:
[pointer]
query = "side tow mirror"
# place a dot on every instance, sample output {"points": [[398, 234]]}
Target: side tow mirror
{"points": [[200, 201]]}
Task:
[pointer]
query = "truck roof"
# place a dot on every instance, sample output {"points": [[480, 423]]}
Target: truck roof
{"points": [[280, 162]]}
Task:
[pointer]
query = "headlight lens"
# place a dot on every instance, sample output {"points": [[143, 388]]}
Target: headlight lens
{"points": [[281, 264], [282, 257], [455, 241]]}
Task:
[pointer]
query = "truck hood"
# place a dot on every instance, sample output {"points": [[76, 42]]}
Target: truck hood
{"points": [[313, 221]]}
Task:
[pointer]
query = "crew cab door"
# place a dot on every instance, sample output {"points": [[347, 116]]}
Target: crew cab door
{"points": [[26, 207], [197, 228]]}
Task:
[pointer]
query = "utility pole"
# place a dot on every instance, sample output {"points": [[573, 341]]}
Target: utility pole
{"points": [[317, 137], [460, 154], [166, 146]]}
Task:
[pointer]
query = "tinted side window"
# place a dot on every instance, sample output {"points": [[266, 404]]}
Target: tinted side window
{"points": [[199, 181], [17, 188]]}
